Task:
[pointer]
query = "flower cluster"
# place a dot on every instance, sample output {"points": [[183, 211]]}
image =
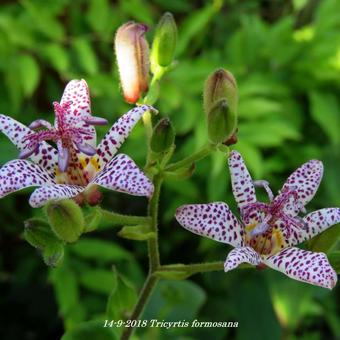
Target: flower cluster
{"points": [[77, 164], [268, 232]]}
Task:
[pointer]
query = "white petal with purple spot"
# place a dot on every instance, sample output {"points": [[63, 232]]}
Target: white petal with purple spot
{"points": [[213, 220], [305, 180], [53, 192], [241, 255], [123, 175], [241, 181], [18, 174], [303, 265], [118, 133], [45, 155]]}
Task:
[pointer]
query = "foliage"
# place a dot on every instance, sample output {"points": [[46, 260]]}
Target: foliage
{"points": [[286, 60]]}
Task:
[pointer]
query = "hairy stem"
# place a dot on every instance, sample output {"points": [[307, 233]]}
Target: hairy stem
{"points": [[153, 213], [186, 162], [143, 298], [120, 219]]}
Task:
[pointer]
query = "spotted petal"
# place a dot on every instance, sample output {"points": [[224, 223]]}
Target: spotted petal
{"points": [[305, 266], [118, 133], [123, 175], [306, 180], [213, 220], [53, 192], [77, 93], [242, 184], [241, 255], [18, 174], [45, 155]]}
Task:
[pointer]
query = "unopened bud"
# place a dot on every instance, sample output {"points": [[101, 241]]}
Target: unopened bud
{"points": [[220, 105], [54, 254], [137, 233], [93, 196], [164, 43], [39, 234], [66, 219], [163, 136], [222, 122], [221, 84], [132, 53]]}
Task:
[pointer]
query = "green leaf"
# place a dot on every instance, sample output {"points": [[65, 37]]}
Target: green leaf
{"points": [[334, 259], [121, 300], [87, 59], [99, 280], [99, 250], [137, 233], [175, 300], [67, 294], [57, 56], [325, 111], [90, 330], [326, 241], [29, 74]]}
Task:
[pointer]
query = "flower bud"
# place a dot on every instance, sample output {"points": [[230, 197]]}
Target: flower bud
{"points": [[164, 43], [132, 52], [163, 136], [221, 84], [222, 122], [66, 219], [54, 254], [220, 105], [39, 234], [93, 196]]}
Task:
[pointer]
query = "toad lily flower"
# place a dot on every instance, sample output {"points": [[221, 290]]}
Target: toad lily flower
{"points": [[268, 232], [77, 164]]}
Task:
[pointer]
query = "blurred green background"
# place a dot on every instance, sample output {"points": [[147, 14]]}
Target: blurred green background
{"points": [[285, 56]]}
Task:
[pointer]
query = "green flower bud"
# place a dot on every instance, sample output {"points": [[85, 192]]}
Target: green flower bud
{"points": [[92, 219], [220, 100], [221, 121], [132, 51], [66, 219], [137, 233], [164, 43], [221, 84], [54, 254], [39, 234], [163, 136]]}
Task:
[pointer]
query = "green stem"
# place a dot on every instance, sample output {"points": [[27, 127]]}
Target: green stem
{"points": [[199, 267], [194, 268], [153, 213], [143, 298], [186, 162], [120, 219]]}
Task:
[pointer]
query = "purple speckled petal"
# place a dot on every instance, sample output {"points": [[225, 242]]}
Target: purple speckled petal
{"points": [[241, 255], [213, 220], [118, 133], [87, 149], [18, 174], [303, 265], [242, 184], [95, 120], [306, 180], [63, 157], [78, 94], [53, 192], [46, 156], [123, 175]]}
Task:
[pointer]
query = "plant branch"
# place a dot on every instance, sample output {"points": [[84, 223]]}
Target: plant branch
{"points": [[143, 298], [186, 162], [120, 219]]}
